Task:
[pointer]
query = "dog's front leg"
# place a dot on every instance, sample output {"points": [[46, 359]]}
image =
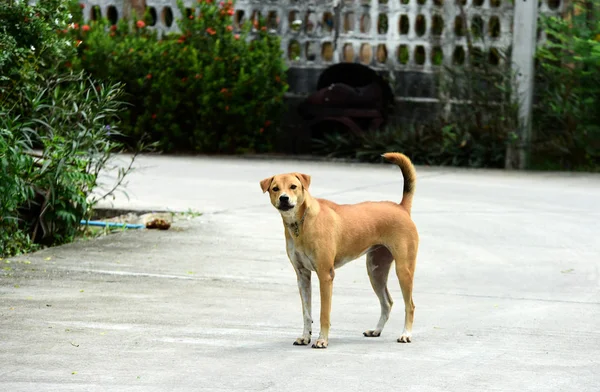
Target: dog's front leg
{"points": [[325, 274], [304, 287]]}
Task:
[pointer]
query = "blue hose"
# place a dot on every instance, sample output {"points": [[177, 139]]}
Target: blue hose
{"points": [[112, 224]]}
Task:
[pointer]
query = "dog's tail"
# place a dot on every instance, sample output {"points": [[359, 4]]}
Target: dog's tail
{"points": [[409, 174]]}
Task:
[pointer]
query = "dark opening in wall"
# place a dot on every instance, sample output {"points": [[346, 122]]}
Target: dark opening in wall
{"points": [[382, 24], [494, 56], [437, 56], [421, 2], [438, 3], [494, 27], [349, 22], [403, 54], [328, 22], [495, 3], [189, 12], [459, 26], [167, 16], [404, 25], [437, 25], [477, 26], [294, 21], [96, 13], [294, 50], [311, 50], [553, 4], [420, 55], [405, 1], [255, 19], [421, 25], [476, 57], [310, 23], [458, 57], [365, 23], [477, 3], [153, 16], [112, 14], [272, 20]]}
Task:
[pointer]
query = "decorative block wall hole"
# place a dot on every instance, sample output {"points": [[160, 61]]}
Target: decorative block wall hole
{"points": [[294, 50], [437, 56], [95, 13], [477, 3], [327, 51], [458, 57], [310, 23], [404, 1], [365, 2], [494, 27], [420, 55], [437, 25], [112, 14], [476, 57], [366, 54], [365, 23], [495, 3], [272, 20], [459, 26], [403, 54], [403, 25], [383, 1], [438, 3], [382, 24], [189, 12], [382, 54], [349, 22], [294, 20], [421, 2], [255, 18], [348, 53], [553, 4], [477, 26], [494, 56], [311, 50], [153, 16], [328, 22], [461, 2], [420, 25], [166, 16]]}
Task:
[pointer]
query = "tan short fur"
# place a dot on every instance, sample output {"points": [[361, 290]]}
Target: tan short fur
{"points": [[322, 236]]}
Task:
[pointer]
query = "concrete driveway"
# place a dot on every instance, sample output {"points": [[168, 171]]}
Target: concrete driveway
{"points": [[507, 290]]}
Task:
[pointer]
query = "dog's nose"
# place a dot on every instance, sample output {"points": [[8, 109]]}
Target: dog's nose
{"points": [[284, 198]]}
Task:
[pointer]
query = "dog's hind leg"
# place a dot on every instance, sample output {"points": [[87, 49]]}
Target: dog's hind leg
{"points": [[379, 262]]}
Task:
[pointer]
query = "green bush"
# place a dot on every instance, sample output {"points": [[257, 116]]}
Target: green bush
{"points": [[55, 131], [209, 88], [566, 125]]}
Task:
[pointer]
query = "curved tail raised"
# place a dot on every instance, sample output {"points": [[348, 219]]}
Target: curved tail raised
{"points": [[409, 174]]}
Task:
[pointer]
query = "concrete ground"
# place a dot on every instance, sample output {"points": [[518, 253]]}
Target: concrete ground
{"points": [[507, 290]]}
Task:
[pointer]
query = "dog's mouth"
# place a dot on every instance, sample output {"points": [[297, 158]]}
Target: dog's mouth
{"points": [[285, 207]]}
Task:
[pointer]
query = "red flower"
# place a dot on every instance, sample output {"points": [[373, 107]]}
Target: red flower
{"points": [[149, 76], [264, 28], [230, 12], [85, 28], [113, 28], [211, 31], [198, 76], [229, 28], [154, 116], [78, 42], [112, 34], [191, 17], [68, 64], [277, 79], [76, 26], [261, 130], [140, 24], [226, 108], [237, 36], [267, 123], [223, 90], [183, 80], [82, 5]]}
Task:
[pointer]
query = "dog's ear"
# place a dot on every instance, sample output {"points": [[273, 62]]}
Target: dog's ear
{"points": [[266, 183], [304, 179]]}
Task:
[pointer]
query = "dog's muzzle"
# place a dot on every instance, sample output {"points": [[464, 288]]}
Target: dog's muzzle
{"points": [[284, 203]]}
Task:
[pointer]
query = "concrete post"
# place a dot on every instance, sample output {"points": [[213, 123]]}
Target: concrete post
{"points": [[524, 42]]}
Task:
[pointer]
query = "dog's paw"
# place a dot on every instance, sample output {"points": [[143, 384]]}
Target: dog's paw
{"points": [[320, 343], [372, 333], [405, 338], [302, 341]]}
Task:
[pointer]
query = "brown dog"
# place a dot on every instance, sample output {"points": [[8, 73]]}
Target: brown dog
{"points": [[322, 236]]}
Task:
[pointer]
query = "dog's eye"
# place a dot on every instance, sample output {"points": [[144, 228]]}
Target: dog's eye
{"points": [[276, 189], [293, 187]]}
